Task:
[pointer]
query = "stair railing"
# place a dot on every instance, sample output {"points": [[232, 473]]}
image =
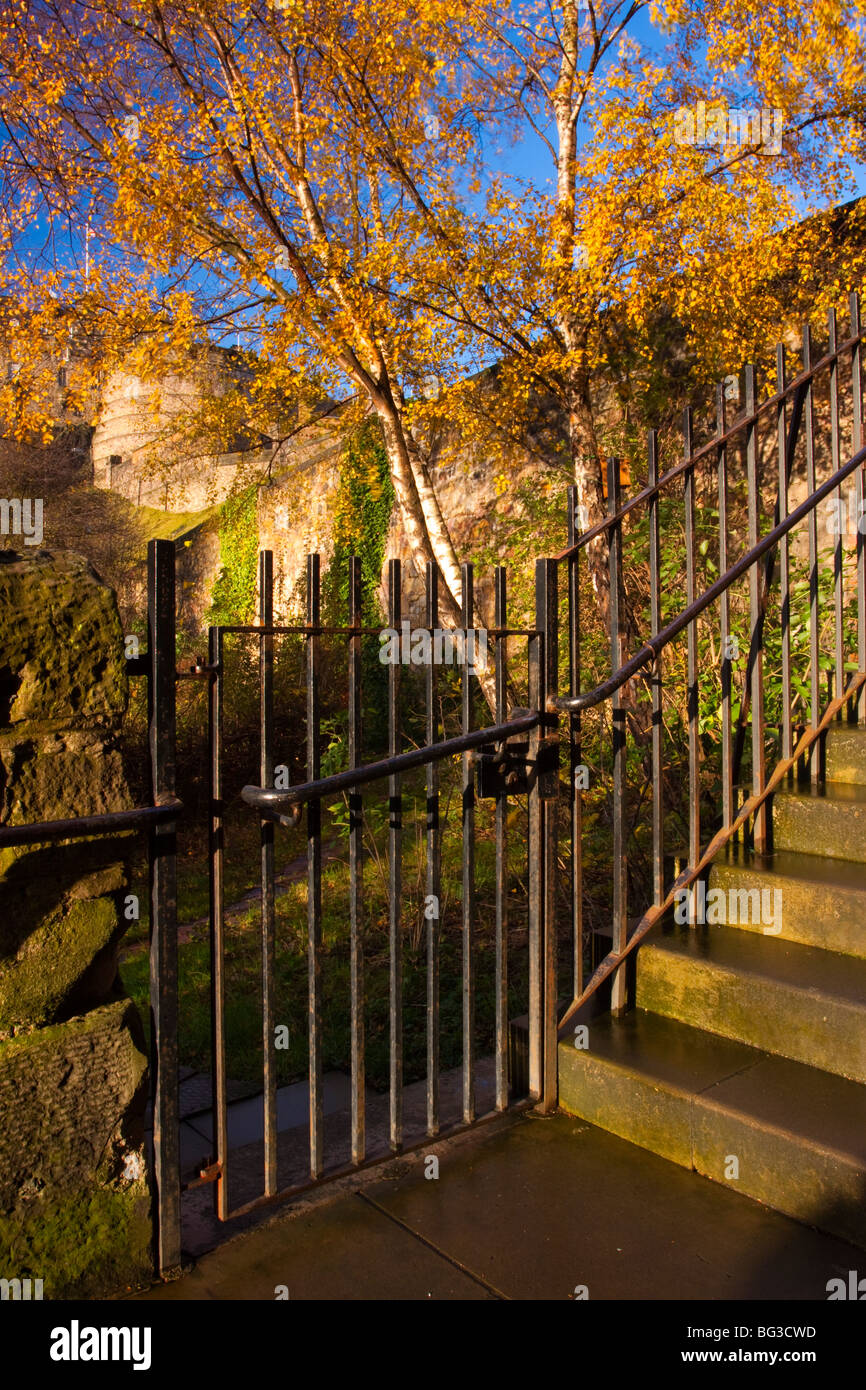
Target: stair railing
{"points": [[768, 561]]}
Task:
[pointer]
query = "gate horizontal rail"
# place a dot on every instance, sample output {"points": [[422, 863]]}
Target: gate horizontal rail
{"points": [[268, 800]]}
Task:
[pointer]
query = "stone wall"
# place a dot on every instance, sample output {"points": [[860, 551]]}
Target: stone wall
{"points": [[74, 1197]]}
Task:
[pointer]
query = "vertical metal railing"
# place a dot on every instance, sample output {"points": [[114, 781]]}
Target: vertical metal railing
{"points": [[657, 679], [216, 849], [784, 556], [619, 905], [433, 866], [163, 904], [500, 620], [802, 646], [266, 832], [395, 877], [314, 871], [575, 765], [467, 827], [356, 867]]}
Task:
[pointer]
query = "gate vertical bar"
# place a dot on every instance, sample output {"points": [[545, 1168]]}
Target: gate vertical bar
{"points": [[657, 678], [535, 882], [724, 616], [692, 653], [468, 847], [434, 864], [575, 748], [814, 654], [617, 714], [547, 619], [859, 491], [217, 921], [395, 838], [266, 830], [500, 620], [163, 904], [835, 455], [756, 619], [314, 870], [784, 565], [356, 870]]}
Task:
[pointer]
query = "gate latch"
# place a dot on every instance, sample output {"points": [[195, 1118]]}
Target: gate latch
{"points": [[506, 767]]}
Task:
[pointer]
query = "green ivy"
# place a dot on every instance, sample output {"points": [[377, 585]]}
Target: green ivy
{"points": [[233, 599], [365, 500]]}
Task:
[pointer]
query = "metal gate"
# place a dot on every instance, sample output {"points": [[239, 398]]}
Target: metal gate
{"points": [[517, 755]]}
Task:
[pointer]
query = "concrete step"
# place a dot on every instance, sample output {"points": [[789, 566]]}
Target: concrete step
{"points": [[795, 1001], [798, 1135], [827, 820], [823, 901], [846, 754]]}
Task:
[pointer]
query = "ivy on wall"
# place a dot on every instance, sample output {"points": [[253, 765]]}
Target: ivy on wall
{"points": [[233, 599], [365, 499]]}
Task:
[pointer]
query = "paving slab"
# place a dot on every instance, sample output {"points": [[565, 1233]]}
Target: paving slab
{"points": [[555, 1204], [344, 1250], [527, 1208]]}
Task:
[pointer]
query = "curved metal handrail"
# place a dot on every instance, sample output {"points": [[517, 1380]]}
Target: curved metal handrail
{"points": [[574, 704]]}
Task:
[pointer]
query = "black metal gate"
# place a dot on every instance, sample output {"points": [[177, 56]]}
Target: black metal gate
{"points": [[514, 756]]}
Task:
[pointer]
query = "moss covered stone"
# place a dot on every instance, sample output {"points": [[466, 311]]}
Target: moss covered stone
{"points": [[74, 1202], [63, 657], [74, 1194]]}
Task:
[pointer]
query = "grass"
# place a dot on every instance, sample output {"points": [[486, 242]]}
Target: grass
{"points": [[243, 1012]]}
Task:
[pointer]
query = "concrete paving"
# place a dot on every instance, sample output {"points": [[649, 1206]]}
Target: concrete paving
{"points": [[523, 1208]]}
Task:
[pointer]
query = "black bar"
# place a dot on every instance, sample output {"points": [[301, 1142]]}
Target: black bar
{"points": [[266, 832], [534, 875], [79, 827], [217, 923], [859, 493], [814, 652], [356, 872], [163, 906], [468, 848], [547, 620], [433, 903], [276, 801], [575, 750], [784, 565], [724, 617], [395, 874], [756, 622], [692, 653], [314, 873], [835, 454], [657, 677], [501, 830], [617, 714]]}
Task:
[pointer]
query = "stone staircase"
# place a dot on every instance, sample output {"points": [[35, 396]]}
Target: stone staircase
{"points": [[745, 1056]]}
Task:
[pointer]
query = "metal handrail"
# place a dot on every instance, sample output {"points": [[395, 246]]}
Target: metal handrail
{"points": [[274, 801], [79, 827], [793, 389], [614, 959], [575, 704]]}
